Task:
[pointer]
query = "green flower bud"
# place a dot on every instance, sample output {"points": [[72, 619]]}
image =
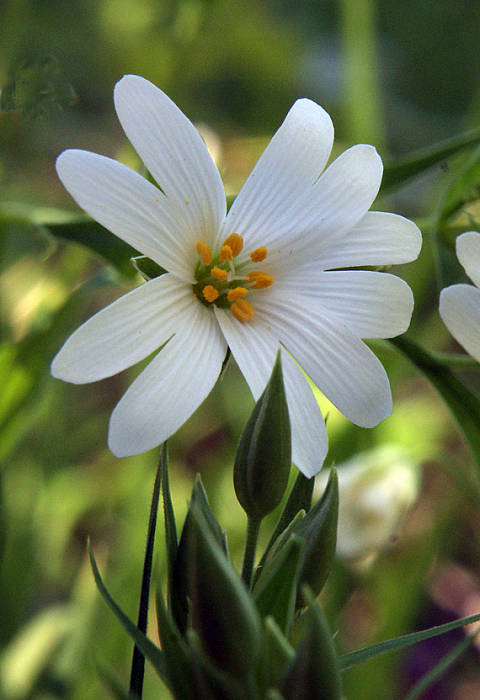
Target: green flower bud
{"points": [[263, 459]]}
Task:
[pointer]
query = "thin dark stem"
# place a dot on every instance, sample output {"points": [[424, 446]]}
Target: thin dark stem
{"points": [[138, 660], [253, 529]]}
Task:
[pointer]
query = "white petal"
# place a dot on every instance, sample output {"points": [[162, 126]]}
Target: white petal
{"points": [[322, 215], [468, 252], [290, 164], [379, 238], [125, 332], [174, 153], [129, 206], [371, 304], [460, 311], [337, 361], [172, 386], [254, 348]]}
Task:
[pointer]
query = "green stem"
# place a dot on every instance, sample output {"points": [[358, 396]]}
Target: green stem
{"points": [[253, 529]]}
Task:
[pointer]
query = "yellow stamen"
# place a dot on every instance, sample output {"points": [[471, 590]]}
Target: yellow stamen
{"points": [[219, 273], [210, 293], [258, 255], [260, 280], [204, 251], [242, 310], [237, 293], [226, 253], [235, 242]]}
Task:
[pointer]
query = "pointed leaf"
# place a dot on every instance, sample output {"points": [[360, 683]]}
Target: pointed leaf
{"points": [[224, 615], [178, 592], [319, 530], [263, 458], [151, 652], [147, 268], [465, 188], [99, 240], [400, 171], [463, 401], [360, 656], [300, 498], [171, 541], [177, 655], [278, 653], [314, 672], [276, 591]]}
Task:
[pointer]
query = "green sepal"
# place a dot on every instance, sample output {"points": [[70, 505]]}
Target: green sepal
{"points": [[314, 671], [223, 613], [276, 591], [360, 656], [462, 401], [277, 654], [146, 267], [399, 171], [148, 648], [263, 458], [178, 594], [319, 531], [177, 654], [299, 499]]}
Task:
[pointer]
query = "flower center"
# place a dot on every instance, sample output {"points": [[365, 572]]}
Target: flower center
{"points": [[225, 282]]}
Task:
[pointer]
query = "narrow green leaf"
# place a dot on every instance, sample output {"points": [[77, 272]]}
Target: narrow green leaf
{"points": [[416, 693], [276, 591], [464, 188], [360, 656], [147, 268], [300, 498], [171, 541], [319, 531], [178, 597], [399, 171], [263, 458], [138, 659], [99, 240], [314, 672], [278, 653], [151, 652], [177, 655], [224, 615], [463, 401]]}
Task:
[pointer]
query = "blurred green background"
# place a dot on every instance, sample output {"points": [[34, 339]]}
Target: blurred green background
{"points": [[399, 74]]}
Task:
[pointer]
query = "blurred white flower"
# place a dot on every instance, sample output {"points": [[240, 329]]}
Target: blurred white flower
{"points": [[376, 488], [460, 303], [256, 279]]}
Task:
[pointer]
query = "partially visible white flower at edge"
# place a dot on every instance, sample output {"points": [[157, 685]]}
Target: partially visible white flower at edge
{"points": [[258, 278], [460, 303], [376, 488]]}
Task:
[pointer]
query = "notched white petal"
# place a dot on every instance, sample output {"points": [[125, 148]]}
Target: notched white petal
{"points": [[468, 253], [460, 312]]}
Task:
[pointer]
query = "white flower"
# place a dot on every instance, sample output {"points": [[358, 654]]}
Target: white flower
{"points": [[254, 279], [460, 303], [376, 488]]}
